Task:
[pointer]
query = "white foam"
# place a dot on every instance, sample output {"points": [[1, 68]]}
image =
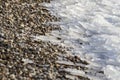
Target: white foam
{"points": [[96, 24]]}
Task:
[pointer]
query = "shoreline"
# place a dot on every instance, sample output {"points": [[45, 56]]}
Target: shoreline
{"points": [[22, 57]]}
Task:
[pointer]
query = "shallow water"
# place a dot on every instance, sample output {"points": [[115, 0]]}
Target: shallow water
{"points": [[91, 29]]}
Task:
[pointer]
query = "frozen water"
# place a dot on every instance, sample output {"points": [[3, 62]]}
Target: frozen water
{"points": [[92, 29]]}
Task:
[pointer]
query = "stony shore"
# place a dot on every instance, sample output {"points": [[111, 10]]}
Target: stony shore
{"points": [[23, 58]]}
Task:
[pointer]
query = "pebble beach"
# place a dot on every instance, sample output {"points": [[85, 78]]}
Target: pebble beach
{"points": [[24, 58]]}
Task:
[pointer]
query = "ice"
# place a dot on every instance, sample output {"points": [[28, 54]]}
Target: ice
{"points": [[92, 29], [113, 73], [26, 61], [75, 72]]}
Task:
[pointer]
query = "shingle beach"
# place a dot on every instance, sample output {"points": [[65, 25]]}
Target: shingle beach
{"points": [[22, 57]]}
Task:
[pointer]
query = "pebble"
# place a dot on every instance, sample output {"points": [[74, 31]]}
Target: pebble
{"points": [[21, 57]]}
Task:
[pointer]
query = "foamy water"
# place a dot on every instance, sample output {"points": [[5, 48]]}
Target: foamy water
{"points": [[96, 25]]}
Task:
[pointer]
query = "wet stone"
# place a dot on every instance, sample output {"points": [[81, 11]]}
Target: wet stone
{"points": [[21, 57]]}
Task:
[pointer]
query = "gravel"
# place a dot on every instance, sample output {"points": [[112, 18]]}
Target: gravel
{"points": [[23, 58]]}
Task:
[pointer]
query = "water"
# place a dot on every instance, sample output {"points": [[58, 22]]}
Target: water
{"points": [[96, 25]]}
